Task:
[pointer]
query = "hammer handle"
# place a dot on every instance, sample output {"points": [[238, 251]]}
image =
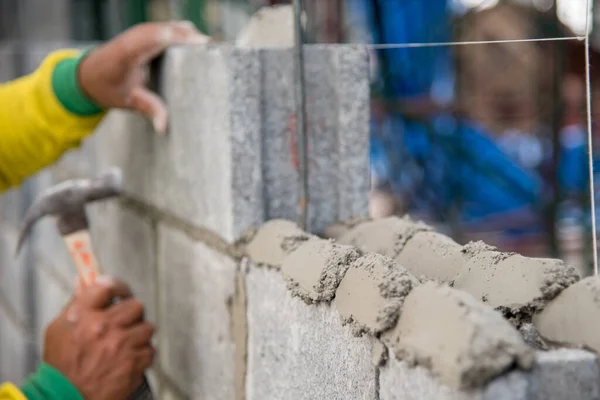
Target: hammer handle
{"points": [[79, 245]]}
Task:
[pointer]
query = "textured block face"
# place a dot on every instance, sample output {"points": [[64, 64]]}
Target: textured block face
{"points": [[337, 118], [566, 374], [194, 326], [14, 348], [208, 167], [13, 274], [125, 246], [52, 296], [296, 351]]}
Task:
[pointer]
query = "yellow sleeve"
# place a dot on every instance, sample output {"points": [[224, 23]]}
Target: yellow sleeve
{"points": [[8, 391], [35, 127]]}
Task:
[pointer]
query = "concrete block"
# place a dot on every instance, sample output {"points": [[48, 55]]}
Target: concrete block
{"points": [[386, 236], [462, 340], [565, 374], [15, 347], [196, 283], [353, 99], [372, 292], [126, 140], [557, 375], [573, 318], [336, 126], [315, 269], [52, 294], [125, 245], [297, 351], [273, 241], [215, 127], [14, 275]]}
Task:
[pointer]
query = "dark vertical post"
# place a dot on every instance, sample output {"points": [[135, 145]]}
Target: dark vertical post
{"points": [[302, 142]]}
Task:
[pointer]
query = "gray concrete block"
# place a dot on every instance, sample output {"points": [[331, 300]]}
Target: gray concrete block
{"points": [[14, 274], [13, 206], [196, 348], [125, 246], [558, 375], [52, 294], [337, 128], [15, 347], [296, 351], [214, 128], [125, 140], [353, 94], [565, 374]]}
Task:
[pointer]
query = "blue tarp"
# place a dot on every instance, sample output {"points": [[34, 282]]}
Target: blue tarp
{"points": [[436, 163]]}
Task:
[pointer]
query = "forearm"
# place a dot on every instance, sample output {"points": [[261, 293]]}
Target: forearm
{"points": [[42, 115], [46, 384]]}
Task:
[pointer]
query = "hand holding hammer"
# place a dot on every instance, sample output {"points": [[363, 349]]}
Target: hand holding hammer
{"points": [[66, 201]]}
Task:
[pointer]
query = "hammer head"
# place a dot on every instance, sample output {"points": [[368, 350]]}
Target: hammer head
{"points": [[67, 201]]}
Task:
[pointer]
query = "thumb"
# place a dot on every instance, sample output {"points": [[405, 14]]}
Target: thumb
{"points": [[151, 105]]}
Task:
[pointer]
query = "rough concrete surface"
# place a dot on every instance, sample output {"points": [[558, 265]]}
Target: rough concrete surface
{"points": [[14, 274], [401, 381], [125, 244], [52, 296], [315, 269], [386, 236], [462, 340], [557, 375], [196, 350], [565, 374], [301, 352], [273, 241], [573, 318], [433, 256], [15, 347], [517, 285], [372, 292]]}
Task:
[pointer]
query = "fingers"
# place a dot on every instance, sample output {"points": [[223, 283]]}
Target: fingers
{"points": [[126, 313], [149, 104], [101, 293], [140, 335], [144, 358], [148, 40]]}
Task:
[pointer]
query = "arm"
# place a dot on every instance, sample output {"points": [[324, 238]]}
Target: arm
{"points": [[46, 384], [42, 115]]}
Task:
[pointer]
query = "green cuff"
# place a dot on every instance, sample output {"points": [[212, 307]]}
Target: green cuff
{"points": [[67, 89], [49, 384]]}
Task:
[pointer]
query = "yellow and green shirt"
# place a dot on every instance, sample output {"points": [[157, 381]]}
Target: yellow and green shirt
{"points": [[42, 115]]}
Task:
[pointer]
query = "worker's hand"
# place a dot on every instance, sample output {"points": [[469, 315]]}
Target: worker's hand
{"points": [[115, 74], [102, 349]]}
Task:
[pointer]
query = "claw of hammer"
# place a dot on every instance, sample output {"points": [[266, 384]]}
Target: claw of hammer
{"points": [[67, 202]]}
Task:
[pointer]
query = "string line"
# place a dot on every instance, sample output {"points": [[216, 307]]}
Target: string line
{"points": [[588, 85]]}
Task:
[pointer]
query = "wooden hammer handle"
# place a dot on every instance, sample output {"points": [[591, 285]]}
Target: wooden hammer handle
{"points": [[80, 246]]}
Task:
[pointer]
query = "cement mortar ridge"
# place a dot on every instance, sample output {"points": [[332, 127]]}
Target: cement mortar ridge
{"points": [[315, 269], [370, 292]]}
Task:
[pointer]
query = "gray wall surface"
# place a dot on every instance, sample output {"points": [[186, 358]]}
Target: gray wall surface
{"points": [[226, 165]]}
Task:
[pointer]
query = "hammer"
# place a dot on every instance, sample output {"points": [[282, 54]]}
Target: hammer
{"points": [[66, 201]]}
